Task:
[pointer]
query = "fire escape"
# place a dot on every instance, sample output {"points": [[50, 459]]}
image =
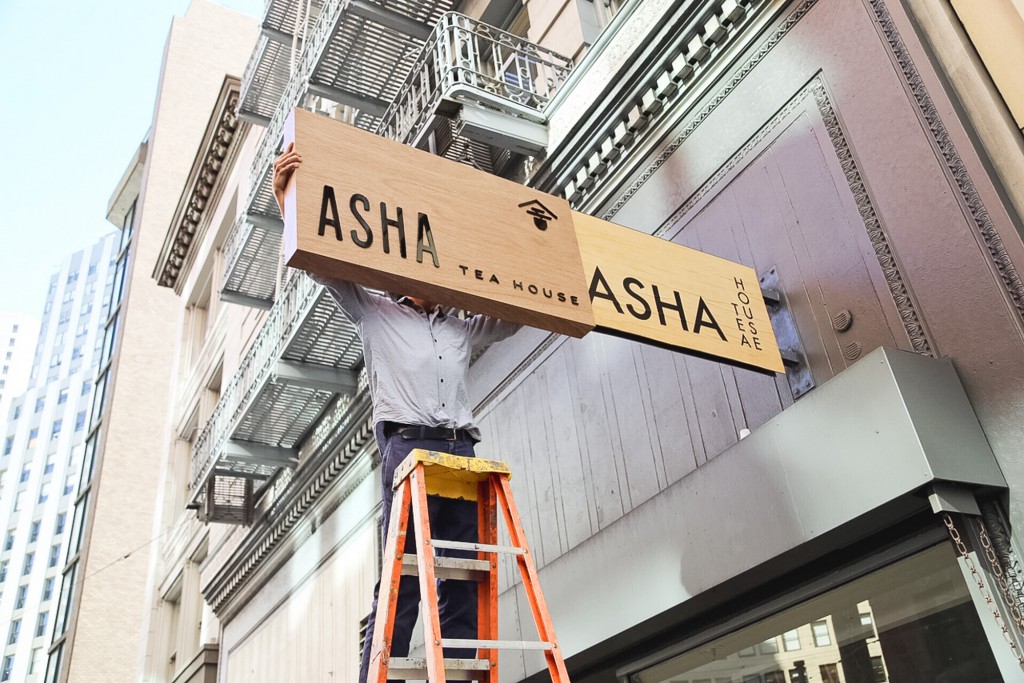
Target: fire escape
{"points": [[410, 70]]}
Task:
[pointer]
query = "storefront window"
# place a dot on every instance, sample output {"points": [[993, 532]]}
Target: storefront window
{"points": [[911, 621]]}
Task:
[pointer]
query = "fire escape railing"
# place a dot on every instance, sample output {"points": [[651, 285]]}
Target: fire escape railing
{"points": [[465, 60]]}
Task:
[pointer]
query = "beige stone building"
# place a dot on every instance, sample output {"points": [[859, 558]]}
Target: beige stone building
{"points": [[848, 520], [105, 580]]}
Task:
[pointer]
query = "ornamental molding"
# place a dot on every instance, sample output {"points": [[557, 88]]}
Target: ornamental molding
{"points": [[697, 119], [700, 49], [215, 155], [898, 289], [969, 197]]}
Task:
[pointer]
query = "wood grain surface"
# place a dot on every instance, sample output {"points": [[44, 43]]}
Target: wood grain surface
{"points": [[385, 215], [650, 289]]}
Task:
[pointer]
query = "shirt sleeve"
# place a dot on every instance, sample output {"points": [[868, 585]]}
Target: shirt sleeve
{"points": [[484, 330], [352, 298]]}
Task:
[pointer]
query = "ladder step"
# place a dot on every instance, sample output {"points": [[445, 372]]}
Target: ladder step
{"points": [[415, 668], [458, 568], [497, 644], [479, 547]]}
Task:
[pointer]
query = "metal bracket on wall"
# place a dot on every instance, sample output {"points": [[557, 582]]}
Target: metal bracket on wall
{"points": [[793, 357]]}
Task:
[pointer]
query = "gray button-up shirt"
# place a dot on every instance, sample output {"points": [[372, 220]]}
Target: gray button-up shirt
{"points": [[417, 362]]}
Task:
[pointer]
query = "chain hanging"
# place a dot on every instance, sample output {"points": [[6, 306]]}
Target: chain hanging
{"points": [[990, 602]]}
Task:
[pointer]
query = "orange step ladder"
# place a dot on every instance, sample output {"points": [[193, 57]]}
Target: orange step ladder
{"points": [[486, 482]]}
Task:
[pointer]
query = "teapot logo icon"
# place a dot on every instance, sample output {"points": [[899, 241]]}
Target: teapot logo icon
{"points": [[541, 214]]}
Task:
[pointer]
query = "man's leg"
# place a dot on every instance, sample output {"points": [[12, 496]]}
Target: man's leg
{"points": [[457, 600]]}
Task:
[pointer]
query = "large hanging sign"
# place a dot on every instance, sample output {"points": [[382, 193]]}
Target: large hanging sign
{"points": [[386, 215], [655, 291]]}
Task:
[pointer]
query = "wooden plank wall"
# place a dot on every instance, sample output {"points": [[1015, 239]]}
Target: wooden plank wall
{"points": [[313, 635]]}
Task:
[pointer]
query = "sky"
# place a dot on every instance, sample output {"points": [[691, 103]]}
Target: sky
{"points": [[77, 88]]}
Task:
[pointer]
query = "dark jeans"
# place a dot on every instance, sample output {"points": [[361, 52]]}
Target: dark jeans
{"points": [[453, 520]]}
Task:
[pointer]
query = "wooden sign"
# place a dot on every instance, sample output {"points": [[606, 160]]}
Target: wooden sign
{"points": [[652, 290], [386, 215]]}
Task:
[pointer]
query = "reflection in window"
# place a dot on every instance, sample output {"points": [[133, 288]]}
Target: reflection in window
{"points": [[913, 620]]}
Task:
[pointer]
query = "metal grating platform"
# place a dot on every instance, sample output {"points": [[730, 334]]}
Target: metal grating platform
{"points": [[280, 413], [326, 337], [270, 66], [251, 255], [304, 355], [265, 80]]}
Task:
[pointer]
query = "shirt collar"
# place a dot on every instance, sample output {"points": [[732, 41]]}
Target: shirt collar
{"points": [[438, 310]]}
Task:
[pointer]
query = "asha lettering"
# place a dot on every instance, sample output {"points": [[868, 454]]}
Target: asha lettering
{"points": [[390, 225]]}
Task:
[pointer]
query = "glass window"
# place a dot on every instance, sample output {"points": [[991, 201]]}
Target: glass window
{"points": [[26, 568], [40, 402], [819, 630], [26, 472], [80, 421], [56, 428], [13, 631], [44, 617], [17, 411], [769, 647], [54, 556], [36, 663], [47, 588], [32, 437], [925, 627], [791, 640], [86, 388], [19, 600], [62, 397], [8, 445], [9, 543], [69, 483], [3, 570], [33, 534], [5, 671], [58, 528], [44, 492]]}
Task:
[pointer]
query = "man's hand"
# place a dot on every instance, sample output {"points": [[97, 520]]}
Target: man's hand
{"points": [[284, 166]]}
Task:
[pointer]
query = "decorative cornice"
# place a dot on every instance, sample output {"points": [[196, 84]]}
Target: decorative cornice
{"points": [[697, 49], [282, 521], [933, 125], [697, 119], [221, 133]]}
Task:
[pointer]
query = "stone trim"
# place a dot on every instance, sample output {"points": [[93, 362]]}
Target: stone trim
{"points": [[213, 156], [905, 304], [762, 51], [957, 170], [696, 50]]}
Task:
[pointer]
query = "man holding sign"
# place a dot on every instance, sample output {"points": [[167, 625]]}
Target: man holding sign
{"points": [[417, 362]]}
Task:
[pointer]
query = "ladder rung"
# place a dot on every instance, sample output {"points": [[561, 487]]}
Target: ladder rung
{"points": [[480, 547], [458, 568], [497, 644], [415, 668]]}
